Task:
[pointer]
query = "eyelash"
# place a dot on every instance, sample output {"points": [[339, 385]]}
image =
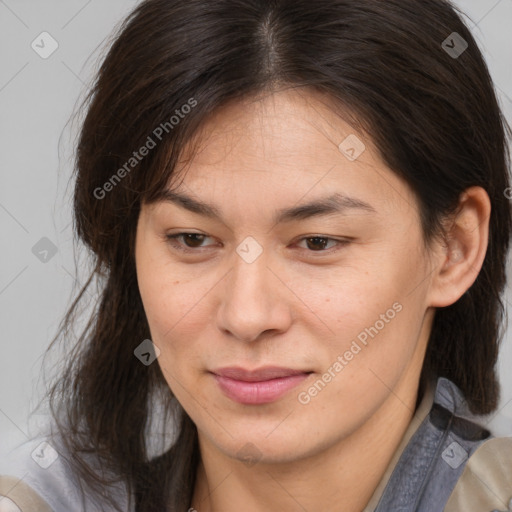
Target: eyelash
{"points": [[172, 239]]}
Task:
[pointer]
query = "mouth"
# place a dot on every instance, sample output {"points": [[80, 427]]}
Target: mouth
{"points": [[260, 386]]}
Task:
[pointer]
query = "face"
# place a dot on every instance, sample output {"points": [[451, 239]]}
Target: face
{"points": [[334, 295]]}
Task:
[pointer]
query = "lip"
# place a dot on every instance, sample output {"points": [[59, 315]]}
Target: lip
{"points": [[260, 386]]}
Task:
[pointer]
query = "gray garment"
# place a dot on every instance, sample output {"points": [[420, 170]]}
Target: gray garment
{"points": [[422, 480], [436, 455], [40, 464]]}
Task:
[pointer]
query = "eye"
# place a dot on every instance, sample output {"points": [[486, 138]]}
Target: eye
{"points": [[192, 241], [318, 243]]}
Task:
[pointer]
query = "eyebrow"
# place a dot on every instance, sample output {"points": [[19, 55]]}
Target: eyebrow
{"points": [[334, 204]]}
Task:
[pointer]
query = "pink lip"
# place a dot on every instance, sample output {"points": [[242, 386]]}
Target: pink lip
{"points": [[258, 386]]}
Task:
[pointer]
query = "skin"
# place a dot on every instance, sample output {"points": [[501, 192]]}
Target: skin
{"points": [[300, 304]]}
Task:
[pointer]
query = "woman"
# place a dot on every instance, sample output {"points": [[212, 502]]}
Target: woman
{"points": [[298, 214]]}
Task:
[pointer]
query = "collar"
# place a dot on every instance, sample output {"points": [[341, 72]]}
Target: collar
{"points": [[427, 401]]}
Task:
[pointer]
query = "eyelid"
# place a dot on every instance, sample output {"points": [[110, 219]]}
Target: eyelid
{"points": [[340, 243], [172, 237]]}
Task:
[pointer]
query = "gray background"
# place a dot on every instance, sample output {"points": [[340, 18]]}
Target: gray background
{"points": [[37, 99]]}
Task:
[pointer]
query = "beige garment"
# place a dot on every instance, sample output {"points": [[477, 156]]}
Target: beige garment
{"points": [[22, 495], [29, 501], [486, 482], [421, 413]]}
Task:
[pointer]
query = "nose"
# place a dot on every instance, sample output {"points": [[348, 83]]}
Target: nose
{"points": [[254, 301]]}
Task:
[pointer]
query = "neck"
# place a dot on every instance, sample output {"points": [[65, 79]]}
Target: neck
{"points": [[339, 477]]}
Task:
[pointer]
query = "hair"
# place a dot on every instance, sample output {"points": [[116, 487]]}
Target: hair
{"points": [[434, 118]]}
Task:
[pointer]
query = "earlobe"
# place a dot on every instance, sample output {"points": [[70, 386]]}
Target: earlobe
{"points": [[463, 251]]}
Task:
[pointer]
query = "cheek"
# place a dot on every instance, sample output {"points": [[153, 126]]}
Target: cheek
{"points": [[172, 319], [174, 313], [338, 304], [177, 314], [169, 300], [370, 316], [347, 299]]}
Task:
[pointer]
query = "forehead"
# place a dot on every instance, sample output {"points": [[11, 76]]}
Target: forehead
{"points": [[280, 148], [276, 127]]}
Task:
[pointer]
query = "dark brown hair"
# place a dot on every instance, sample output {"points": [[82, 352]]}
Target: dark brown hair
{"points": [[433, 116]]}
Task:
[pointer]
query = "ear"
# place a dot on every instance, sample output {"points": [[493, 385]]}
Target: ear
{"points": [[460, 255]]}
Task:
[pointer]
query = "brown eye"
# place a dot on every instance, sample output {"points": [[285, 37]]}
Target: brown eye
{"points": [[320, 243], [317, 243], [189, 241], [193, 239]]}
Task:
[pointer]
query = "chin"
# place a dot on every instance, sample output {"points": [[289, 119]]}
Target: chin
{"points": [[264, 449]]}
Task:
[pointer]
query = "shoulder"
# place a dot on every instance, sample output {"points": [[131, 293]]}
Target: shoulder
{"points": [[37, 476], [17, 496], [34, 477], [486, 482]]}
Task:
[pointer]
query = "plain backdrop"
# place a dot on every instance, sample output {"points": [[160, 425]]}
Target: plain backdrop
{"points": [[37, 98]]}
